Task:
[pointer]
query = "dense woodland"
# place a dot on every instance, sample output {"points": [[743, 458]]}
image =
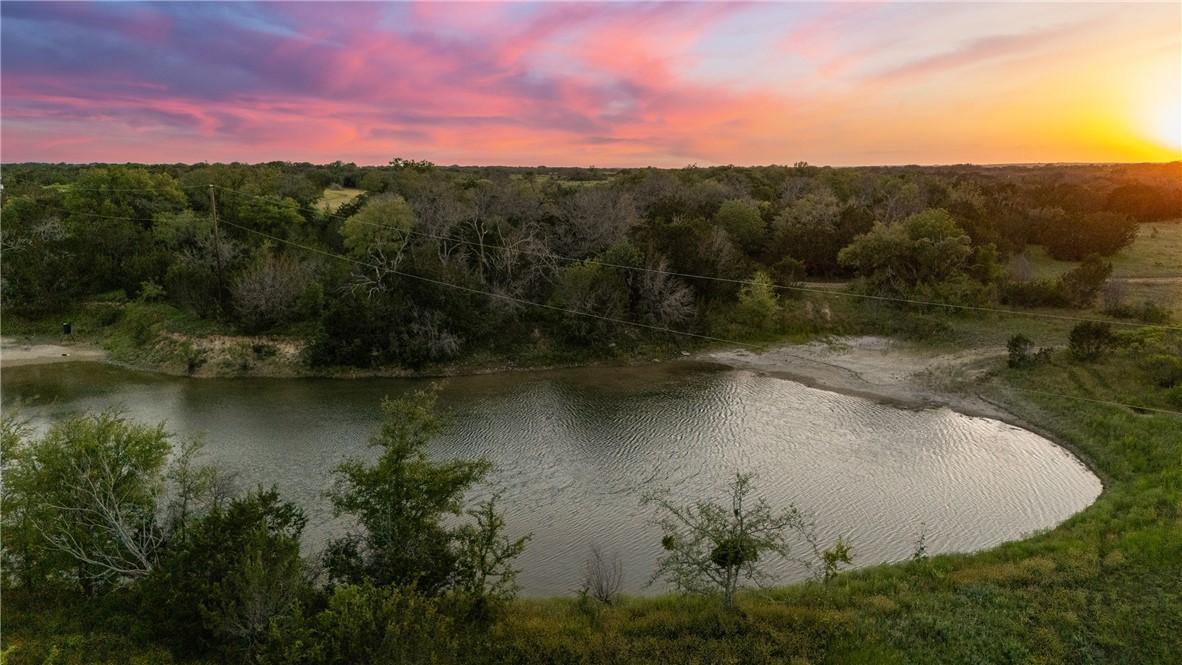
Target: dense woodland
{"points": [[430, 264], [119, 546]]}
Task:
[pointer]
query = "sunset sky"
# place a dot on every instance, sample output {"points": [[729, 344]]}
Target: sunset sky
{"points": [[578, 84]]}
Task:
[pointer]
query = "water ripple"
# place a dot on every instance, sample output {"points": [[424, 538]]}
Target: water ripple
{"points": [[576, 450]]}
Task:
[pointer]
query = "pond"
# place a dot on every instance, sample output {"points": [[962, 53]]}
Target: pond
{"points": [[575, 450]]}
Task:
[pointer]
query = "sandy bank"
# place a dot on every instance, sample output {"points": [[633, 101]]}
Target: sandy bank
{"points": [[877, 368], [14, 353]]}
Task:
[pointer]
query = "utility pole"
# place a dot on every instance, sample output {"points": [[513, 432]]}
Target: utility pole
{"points": [[217, 246]]}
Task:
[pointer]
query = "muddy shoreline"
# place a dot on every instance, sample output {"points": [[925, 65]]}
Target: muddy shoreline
{"points": [[14, 353]]}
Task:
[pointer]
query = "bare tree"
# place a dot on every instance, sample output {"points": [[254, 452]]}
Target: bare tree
{"points": [[664, 299], [1113, 294], [267, 293], [113, 536], [603, 577], [591, 220], [1020, 269], [428, 331]]}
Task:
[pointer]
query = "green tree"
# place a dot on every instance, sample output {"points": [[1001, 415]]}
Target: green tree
{"points": [[111, 213], [591, 289], [89, 490], [741, 220], [926, 255], [810, 230], [380, 226], [758, 309], [379, 235], [39, 271], [711, 548], [1080, 285], [400, 504], [234, 570], [24, 561], [1088, 340], [1072, 237]]}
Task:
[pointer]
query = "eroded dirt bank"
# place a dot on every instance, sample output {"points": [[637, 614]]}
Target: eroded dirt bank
{"points": [[878, 368]]}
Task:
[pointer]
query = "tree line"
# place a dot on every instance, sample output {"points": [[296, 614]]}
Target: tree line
{"points": [[433, 263]]}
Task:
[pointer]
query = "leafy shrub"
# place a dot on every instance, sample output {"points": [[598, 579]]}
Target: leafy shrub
{"points": [[1018, 347], [1082, 284], [1165, 370], [263, 350], [925, 328], [1088, 340], [1038, 293], [193, 357], [227, 575], [1174, 396], [365, 624], [1021, 352], [150, 292], [1147, 312]]}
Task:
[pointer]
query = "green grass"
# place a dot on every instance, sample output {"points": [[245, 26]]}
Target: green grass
{"points": [[332, 199], [1156, 252], [1043, 266], [1150, 267]]}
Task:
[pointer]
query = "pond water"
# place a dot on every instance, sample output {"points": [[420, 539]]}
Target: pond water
{"points": [[575, 450]]}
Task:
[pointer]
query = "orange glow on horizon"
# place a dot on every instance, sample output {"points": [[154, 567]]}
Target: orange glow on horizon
{"points": [[613, 84]]}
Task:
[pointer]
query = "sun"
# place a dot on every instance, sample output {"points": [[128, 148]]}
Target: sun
{"points": [[1165, 126], [1159, 116]]}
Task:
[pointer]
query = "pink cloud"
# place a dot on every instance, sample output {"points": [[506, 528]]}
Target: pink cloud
{"points": [[562, 83]]}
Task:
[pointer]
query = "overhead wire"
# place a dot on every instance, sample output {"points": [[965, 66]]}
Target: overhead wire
{"points": [[925, 303], [785, 287], [491, 294], [1097, 401], [606, 318], [71, 188]]}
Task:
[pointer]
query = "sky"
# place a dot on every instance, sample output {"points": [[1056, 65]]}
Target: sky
{"points": [[613, 84]]}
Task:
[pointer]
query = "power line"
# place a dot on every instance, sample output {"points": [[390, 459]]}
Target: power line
{"points": [[623, 321], [847, 294], [501, 296], [1097, 401], [65, 188], [785, 287]]}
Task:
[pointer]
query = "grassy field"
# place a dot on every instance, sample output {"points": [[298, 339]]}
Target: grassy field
{"points": [[1156, 252], [335, 198], [1150, 268]]}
